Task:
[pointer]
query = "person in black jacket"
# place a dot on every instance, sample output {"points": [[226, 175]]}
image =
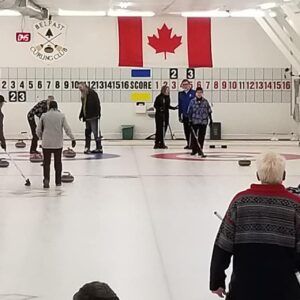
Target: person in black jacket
{"points": [[162, 106], [2, 138], [90, 114]]}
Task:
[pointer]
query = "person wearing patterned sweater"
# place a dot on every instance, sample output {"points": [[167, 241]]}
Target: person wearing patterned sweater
{"points": [[2, 138], [37, 111], [261, 231], [200, 114]]}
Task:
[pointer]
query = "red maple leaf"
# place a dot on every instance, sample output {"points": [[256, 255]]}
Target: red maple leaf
{"points": [[164, 42]]}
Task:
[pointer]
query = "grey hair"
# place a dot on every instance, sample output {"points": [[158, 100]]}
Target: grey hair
{"points": [[270, 168]]}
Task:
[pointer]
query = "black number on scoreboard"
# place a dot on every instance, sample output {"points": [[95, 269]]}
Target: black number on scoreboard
{"points": [[22, 96], [190, 73], [173, 73]]}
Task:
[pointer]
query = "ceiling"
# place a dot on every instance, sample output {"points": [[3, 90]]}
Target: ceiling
{"points": [[157, 6]]}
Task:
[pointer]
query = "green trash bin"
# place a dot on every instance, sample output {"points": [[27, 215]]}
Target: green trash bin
{"points": [[127, 132]]}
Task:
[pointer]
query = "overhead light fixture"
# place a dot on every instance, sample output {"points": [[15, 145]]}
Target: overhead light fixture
{"points": [[272, 14], [81, 13], [9, 13], [248, 13], [125, 5], [268, 5], [129, 13], [206, 14]]}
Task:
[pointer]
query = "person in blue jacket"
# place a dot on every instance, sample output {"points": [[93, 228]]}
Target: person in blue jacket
{"points": [[184, 99]]}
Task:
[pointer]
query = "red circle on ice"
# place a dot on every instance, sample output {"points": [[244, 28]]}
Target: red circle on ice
{"points": [[218, 156]]}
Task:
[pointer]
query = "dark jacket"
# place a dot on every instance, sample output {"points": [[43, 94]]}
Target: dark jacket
{"points": [[92, 107], [95, 291], [261, 230], [184, 99], [2, 139], [162, 104], [39, 109]]}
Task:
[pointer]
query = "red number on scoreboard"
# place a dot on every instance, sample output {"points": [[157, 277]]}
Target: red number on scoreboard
{"points": [[23, 37]]}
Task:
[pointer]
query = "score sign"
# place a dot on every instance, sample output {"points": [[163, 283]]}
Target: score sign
{"points": [[23, 37]]}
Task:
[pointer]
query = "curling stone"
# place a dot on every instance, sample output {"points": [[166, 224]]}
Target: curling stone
{"points": [[20, 144], [218, 146], [69, 153], [67, 177], [36, 158], [244, 162], [3, 163]]}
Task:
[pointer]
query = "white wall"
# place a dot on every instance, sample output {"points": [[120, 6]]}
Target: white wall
{"points": [[92, 42]]}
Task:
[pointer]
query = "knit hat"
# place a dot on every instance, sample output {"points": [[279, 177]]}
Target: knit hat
{"points": [[95, 291], [2, 99]]}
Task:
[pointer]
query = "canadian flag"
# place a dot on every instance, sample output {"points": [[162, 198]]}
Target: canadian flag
{"points": [[164, 42]]}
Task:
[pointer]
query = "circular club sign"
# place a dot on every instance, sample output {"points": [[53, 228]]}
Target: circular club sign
{"points": [[49, 39]]}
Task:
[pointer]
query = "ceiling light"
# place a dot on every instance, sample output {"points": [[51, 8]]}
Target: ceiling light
{"points": [[205, 14], [129, 13], [81, 13], [268, 5], [272, 14], [248, 13], [125, 5], [9, 13]]}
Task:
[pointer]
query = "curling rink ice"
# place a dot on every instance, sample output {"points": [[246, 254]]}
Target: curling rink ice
{"points": [[140, 219]]}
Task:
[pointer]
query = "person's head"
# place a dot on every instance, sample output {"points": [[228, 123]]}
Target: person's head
{"points": [[2, 100], [53, 105], [83, 87], [270, 168], [165, 90], [199, 92], [50, 99], [95, 291], [185, 84]]}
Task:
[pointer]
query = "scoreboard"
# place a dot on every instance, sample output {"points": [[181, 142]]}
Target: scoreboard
{"points": [[117, 85]]}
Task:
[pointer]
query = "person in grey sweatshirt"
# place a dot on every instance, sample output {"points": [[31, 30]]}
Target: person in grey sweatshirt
{"points": [[50, 131]]}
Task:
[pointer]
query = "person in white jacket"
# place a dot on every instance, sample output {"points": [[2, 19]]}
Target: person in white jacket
{"points": [[50, 131]]}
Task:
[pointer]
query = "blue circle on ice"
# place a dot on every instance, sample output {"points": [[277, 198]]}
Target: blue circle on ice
{"points": [[24, 156]]}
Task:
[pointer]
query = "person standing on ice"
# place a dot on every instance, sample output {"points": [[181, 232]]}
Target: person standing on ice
{"points": [[2, 138], [184, 99], [90, 114], [261, 231], [50, 131]]}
